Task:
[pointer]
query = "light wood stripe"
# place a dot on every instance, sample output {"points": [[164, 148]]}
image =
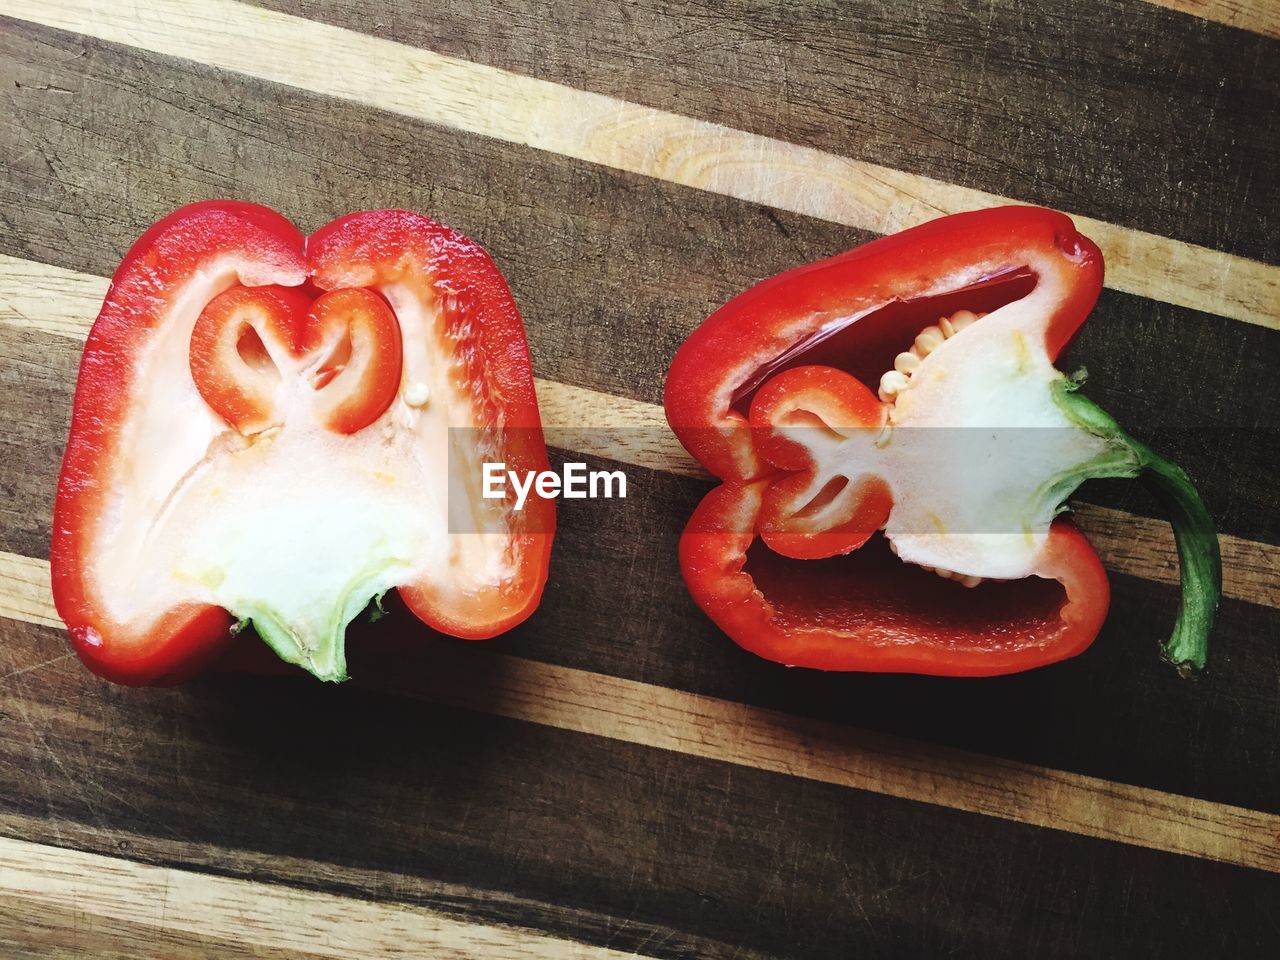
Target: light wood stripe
{"points": [[24, 591], [707, 727], [625, 136], [268, 916], [1256, 16], [37, 296]]}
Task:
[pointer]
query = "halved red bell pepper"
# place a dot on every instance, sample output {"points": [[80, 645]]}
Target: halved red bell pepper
{"points": [[959, 462], [280, 429]]}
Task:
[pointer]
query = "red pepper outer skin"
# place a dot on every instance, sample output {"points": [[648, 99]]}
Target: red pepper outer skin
{"points": [[267, 249], [760, 325]]}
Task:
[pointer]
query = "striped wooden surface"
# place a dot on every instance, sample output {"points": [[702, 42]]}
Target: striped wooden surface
{"points": [[615, 777]]}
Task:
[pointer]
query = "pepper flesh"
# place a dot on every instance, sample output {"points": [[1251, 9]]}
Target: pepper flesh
{"points": [[250, 442], [771, 395]]}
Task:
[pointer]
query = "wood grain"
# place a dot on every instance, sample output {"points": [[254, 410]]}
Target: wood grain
{"points": [[87, 889], [1259, 16], [546, 784], [713, 729], [612, 271], [1054, 103], [61, 302], [625, 846], [40, 929], [629, 137], [1143, 547], [24, 591]]}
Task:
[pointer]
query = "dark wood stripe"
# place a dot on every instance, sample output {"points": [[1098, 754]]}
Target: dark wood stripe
{"points": [[433, 795], [37, 380], [612, 271], [934, 88]]}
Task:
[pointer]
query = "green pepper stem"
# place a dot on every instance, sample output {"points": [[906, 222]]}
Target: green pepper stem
{"points": [[1199, 558], [1199, 555]]}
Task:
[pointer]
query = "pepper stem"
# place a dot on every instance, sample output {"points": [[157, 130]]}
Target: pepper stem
{"points": [[1199, 556], [322, 655]]}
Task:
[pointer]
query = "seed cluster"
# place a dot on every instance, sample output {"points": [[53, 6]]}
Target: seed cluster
{"points": [[899, 378]]}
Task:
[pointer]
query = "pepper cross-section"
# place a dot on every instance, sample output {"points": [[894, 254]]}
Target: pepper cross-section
{"points": [[902, 399], [280, 429]]}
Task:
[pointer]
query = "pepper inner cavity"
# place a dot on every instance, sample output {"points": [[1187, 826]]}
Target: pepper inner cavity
{"points": [[864, 345]]}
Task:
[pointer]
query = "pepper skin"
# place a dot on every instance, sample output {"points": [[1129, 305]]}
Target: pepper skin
{"points": [[279, 429], [959, 322]]}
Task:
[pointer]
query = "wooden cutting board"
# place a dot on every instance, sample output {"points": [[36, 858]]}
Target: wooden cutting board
{"points": [[616, 776]]}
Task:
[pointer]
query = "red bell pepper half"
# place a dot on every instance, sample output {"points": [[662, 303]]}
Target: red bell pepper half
{"points": [[280, 429], [895, 447]]}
